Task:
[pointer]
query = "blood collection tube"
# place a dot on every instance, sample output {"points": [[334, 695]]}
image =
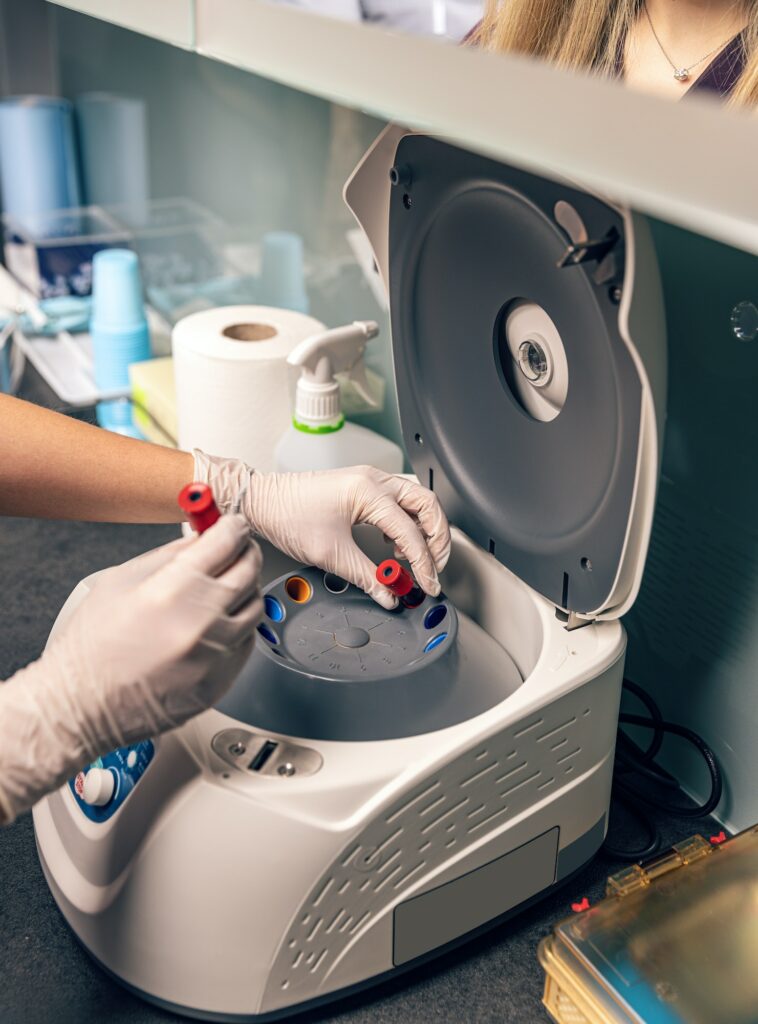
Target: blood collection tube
{"points": [[196, 501], [400, 582]]}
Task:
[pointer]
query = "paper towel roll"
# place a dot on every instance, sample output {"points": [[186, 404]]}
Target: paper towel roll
{"points": [[232, 380], [37, 160], [114, 152]]}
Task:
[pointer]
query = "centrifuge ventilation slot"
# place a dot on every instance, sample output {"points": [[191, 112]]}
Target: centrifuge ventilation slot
{"points": [[405, 807], [502, 778], [528, 728], [487, 821], [558, 728], [335, 921], [455, 808], [479, 774], [350, 854], [388, 863], [521, 783], [389, 839], [430, 807], [571, 753], [327, 886]]}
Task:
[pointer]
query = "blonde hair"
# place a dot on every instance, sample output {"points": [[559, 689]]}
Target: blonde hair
{"points": [[589, 34]]}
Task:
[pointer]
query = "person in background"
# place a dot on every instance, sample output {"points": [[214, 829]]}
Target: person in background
{"points": [[451, 19], [163, 636], [673, 48]]}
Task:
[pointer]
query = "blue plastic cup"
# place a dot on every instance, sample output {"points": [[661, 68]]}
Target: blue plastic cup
{"points": [[117, 292], [282, 281], [118, 328], [116, 415]]}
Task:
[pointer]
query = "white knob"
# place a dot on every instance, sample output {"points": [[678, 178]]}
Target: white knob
{"points": [[99, 784]]}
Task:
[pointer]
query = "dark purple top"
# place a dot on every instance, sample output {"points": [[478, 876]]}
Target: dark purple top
{"points": [[720, 76]]}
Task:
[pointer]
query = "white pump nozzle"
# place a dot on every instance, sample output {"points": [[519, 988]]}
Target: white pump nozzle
{"points": [[321, 357]]}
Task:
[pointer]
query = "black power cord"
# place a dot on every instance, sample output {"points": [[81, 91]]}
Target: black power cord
{"points": [[634, 761]]}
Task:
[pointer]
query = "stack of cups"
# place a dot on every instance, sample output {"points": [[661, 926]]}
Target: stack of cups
{"points": [[119, 332], [282, 280]]}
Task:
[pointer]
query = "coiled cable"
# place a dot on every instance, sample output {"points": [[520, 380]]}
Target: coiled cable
{"points": [[634, 761]]}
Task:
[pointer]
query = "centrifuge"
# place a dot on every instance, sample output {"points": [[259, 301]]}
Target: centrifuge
{"points": [[379, 786]]}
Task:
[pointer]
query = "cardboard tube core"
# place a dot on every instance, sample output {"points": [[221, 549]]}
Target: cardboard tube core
{"points": [[249, 332]]}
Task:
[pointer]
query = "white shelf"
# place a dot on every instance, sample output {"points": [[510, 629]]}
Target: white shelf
{"points": [[692, 163], [169, 20]]}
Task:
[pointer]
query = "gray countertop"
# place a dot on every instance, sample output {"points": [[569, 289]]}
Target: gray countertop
{"points": [[45, 976]]}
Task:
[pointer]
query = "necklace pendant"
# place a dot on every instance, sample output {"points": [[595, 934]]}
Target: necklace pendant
{"points": [[681, 74]]}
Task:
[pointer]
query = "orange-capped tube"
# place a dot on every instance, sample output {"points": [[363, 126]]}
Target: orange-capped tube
{"points": [[196, 501]]}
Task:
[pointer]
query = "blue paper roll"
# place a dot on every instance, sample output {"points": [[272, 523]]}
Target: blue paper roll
{"points": [[113, 144], [38, 169]]}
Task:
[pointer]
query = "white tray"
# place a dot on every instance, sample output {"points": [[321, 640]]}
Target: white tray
{"points": [[65, 361]]}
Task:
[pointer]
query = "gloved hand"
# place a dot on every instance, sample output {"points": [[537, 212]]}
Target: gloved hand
{"points": [[309, 516], [157, 640]]}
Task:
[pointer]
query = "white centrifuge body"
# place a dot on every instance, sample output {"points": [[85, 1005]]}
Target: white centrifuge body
{"points": [[230, 893]]}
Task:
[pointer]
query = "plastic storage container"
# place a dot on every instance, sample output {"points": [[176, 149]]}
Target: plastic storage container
{"points": [[51, 254], [673, 942]]}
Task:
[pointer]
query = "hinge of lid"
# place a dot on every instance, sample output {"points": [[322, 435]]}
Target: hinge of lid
{"points": [[591, 249], [638, 876], [571, 620]]}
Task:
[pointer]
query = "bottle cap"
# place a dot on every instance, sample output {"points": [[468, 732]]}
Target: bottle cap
{"points": [[320, 358]]}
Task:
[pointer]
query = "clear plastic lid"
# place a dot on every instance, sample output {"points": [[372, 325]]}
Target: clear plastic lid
{"points": [[675, 941]]}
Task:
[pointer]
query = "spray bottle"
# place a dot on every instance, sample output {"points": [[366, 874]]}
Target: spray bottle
{"points": [[319, 436]]}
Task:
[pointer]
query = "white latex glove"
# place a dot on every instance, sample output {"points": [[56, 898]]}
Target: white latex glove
{"points": [[310, 517], [157, 640]]}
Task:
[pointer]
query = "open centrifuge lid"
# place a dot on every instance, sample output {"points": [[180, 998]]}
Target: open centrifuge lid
{"points": [[525, 404]]}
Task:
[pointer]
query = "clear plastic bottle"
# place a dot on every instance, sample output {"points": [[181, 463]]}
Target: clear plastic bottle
{"points": [[319, 437]]}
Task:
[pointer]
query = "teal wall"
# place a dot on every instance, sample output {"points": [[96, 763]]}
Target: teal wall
{"points": [[694, 629], [264, 156]]}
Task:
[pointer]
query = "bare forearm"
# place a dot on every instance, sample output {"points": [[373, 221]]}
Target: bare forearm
{"points": [[56, 467]]}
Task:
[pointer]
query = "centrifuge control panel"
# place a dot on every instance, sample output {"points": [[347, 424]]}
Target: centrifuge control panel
{"points": [[101, 788]]}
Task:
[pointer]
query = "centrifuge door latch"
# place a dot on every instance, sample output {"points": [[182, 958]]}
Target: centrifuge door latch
{"points": [[571, 620], [592, 249]]}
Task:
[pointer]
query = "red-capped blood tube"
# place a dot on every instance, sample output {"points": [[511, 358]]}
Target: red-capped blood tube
{"points": [[400, 582], [196, 501]]}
